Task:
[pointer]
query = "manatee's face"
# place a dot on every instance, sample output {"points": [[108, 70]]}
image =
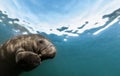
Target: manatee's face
{"points": [[43, 49], [46, 49]]}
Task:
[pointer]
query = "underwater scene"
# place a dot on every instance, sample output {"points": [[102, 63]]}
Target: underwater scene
{"points": [[86, 34]]}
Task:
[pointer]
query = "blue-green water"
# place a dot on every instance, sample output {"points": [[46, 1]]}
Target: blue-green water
{"points": [[85, 55]]}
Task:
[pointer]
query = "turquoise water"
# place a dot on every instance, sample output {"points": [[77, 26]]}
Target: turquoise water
{"points": [[85, 55]]}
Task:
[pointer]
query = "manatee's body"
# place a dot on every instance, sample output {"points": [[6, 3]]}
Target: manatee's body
{"points": [[24, 53]]}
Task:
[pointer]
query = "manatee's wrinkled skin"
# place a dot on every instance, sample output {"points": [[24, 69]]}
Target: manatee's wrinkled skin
{"points": [[24, 53]]}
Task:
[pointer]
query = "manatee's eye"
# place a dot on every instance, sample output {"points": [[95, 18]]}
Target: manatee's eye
{"points": [[41, 41]]}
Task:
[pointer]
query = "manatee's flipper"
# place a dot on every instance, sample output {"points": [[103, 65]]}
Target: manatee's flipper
{"points": [[27, 60]]}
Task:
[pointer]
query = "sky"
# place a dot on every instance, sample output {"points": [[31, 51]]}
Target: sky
{"points": [[46, 14]]}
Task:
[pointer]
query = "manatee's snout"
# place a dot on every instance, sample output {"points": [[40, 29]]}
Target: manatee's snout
{"points": [[48, 53], [51, 51]]}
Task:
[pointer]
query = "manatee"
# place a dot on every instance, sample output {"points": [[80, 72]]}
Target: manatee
{"points": [[24, 53]]}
